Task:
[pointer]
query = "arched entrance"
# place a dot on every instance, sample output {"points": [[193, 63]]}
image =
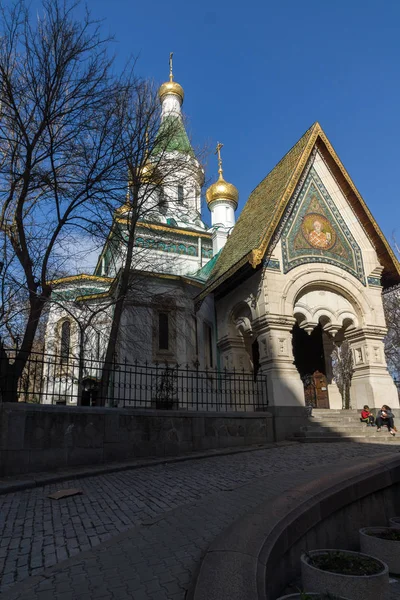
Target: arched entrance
{"points": [[309, 358], [322, 318]]}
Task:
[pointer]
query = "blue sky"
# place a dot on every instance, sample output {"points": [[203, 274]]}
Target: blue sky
{"points": [[257, 74]]}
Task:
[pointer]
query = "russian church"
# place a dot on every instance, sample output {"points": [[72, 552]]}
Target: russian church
{"points": [[301, 270]]}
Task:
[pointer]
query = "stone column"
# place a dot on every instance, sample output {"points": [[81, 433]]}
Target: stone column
{"points": [[371, 382], [285, 387], [234, 357], [233, 354]]}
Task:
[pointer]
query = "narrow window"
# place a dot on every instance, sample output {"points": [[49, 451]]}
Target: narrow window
{"points": [[163, 331], [65, 339], [208, 349], [162, 202], [180, 194], [98, 345]]}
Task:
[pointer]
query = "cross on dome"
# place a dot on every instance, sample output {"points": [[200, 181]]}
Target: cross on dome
{"points": [[221, 189]]}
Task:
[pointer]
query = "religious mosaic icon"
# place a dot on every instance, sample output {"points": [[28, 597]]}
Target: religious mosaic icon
{"points": [[315, 231], [318, 231]]}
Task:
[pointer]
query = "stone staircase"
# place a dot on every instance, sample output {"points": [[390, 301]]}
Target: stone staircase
{"points": [[333, 425]]}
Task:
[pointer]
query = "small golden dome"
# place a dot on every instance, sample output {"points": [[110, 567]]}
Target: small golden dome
{"points": [[171, 87], [149, 173], [222, 190]]}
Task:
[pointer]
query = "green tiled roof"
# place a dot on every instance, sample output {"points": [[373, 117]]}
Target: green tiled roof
{"points": [[204, 273], [172, 137], [259, 211]]}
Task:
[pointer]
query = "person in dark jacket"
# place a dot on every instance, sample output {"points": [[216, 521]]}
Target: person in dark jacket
{"points": [[386, 417]]}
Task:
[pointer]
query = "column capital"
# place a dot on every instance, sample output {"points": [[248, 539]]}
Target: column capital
{"points": [[268, 322], [364, 333]]}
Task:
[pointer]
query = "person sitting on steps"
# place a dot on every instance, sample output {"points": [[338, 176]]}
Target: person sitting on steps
{"points": [[386, 417], [367, 417]]}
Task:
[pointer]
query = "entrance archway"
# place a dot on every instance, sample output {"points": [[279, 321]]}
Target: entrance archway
{"points": [[309, 358], [322, 317]]}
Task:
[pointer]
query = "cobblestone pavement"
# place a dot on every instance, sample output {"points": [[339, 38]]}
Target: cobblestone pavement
{"points": [[141, 534]]}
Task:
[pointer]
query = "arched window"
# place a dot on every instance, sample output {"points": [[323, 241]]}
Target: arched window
{"points": [[65, 340], [180, 194]]}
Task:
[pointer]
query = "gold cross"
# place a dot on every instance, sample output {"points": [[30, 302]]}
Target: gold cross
{"points": [[171, 77], [218, 151]]}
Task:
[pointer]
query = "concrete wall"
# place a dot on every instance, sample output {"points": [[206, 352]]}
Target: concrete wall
{"points": [[43, 437], [259, 554]]}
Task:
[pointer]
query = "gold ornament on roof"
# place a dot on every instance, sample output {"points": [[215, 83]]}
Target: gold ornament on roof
{"points": [[221, 189], [171, 86]]}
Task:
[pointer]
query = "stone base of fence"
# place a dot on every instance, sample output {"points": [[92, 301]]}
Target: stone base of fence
{"points": [[42, 437]]}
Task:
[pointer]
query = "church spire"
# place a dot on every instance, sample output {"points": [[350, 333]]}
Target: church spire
{"points": [[222, 199], [171, 94], [221, 190]]}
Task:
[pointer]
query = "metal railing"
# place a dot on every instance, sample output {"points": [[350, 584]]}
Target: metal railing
{"points": [[55, 379]]}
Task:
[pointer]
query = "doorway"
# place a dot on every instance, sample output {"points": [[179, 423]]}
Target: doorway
{"points": [[308, 351]]}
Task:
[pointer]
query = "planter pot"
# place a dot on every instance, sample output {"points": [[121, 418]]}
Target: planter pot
{"points": [[394, 522], [387, 551], [354, 587], [312, 596]]}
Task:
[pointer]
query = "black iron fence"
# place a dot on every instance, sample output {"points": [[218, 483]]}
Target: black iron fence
{"points": [[69, 380]]}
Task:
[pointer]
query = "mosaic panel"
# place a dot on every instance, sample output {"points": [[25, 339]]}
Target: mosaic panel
{"points": [[374, 281], [317, 232], [272, 263]]}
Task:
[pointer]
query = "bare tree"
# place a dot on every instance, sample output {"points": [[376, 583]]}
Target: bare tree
{"points": [[60, 118], [391, 305], [342, 365], [154, 164]]}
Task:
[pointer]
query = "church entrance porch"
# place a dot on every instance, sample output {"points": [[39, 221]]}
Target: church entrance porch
{"points": [[309, 358]]}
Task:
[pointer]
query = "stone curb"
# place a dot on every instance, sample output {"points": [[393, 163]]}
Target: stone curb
{"points": [[236, 565], [16, 484]]}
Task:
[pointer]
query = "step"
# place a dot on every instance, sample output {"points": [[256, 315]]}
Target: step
{"points": [[321, 434], [333, 420], [354, 438], [335, 411], [340, 427]]}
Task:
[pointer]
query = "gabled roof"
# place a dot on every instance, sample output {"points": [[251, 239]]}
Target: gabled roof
{"points": [[265, 207]]}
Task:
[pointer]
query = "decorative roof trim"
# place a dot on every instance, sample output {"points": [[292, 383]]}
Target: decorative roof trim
{"points": [[92, 296], [370, 219], [184, 278], [255, 256], [81, 277], [168, 229]]}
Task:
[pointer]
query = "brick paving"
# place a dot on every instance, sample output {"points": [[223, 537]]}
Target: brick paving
{"points": [[141, 534]]}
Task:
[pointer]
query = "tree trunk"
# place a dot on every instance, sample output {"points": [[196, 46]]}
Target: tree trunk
{"points": [[122, 289]]}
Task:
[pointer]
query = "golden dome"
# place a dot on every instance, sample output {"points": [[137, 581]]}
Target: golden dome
{"points": [[171, 87], [149, 173], [221, 189]]}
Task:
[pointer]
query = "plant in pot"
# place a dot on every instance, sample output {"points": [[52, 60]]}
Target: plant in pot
{"points": [[345, 573], [394, 522], [384, 543]]}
